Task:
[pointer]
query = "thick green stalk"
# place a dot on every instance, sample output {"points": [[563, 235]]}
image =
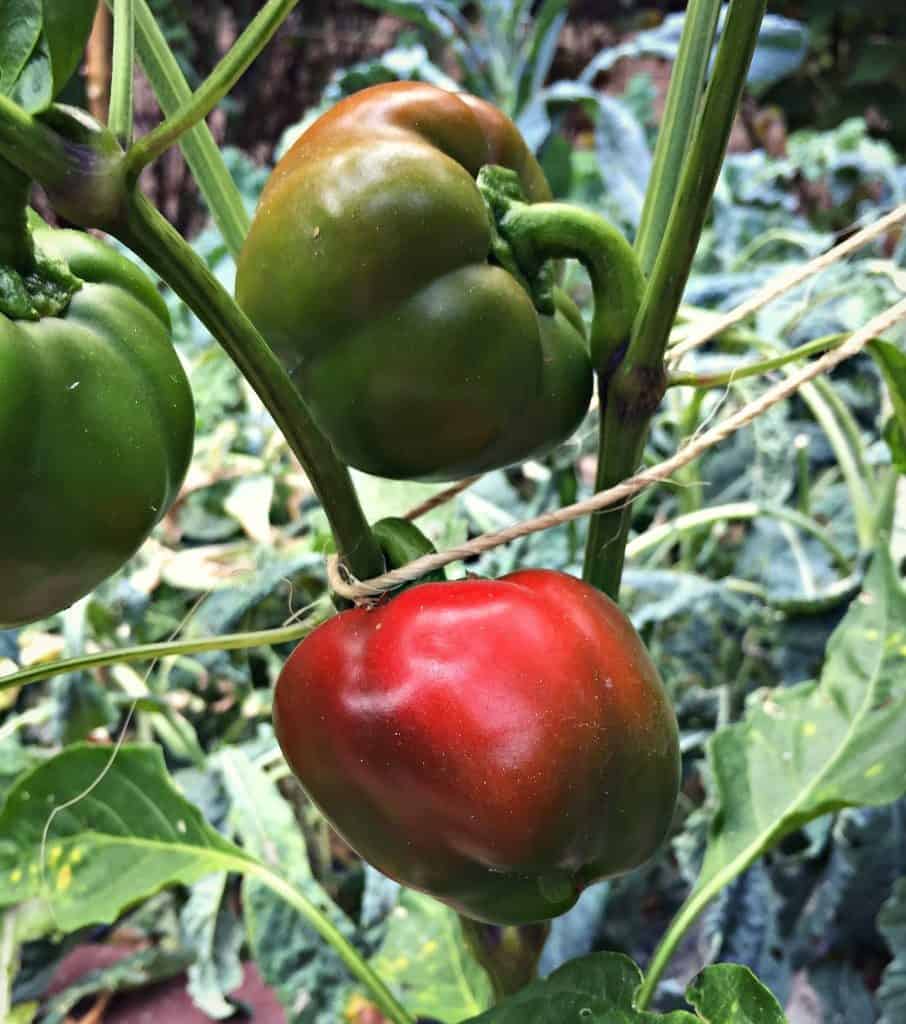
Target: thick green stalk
{"points": [[32, 147], [16, 250], [214, 88], [149, 235], [198, 146], [681, 107], [119, 120], [634, 390]]}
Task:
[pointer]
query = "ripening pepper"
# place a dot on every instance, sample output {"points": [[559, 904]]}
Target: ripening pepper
{"points": [[368, 271], [96, 429], [499, 744]]}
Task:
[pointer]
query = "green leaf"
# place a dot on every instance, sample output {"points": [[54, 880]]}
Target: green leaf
{"points": [[41, 44], [892, 925], [92, 831], [20, 29], [817, 747], [67, 25], [211, 928], [24, 1013], [425, 960], [303, 970], [892, 364], [731, 994], [895, 439], [595, 989]]}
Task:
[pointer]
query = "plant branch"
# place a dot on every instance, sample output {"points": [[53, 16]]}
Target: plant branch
{"points": [[165, 649], [680, 109], [36, 150], [720, 380], [630, 398], [246, 48], [149, 235], [120, 119], [198, 146]]}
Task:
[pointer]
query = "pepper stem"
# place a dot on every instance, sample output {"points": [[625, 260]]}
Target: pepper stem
{"points": [[149, 235], [509, 954], [535, 234], [16, 249]]}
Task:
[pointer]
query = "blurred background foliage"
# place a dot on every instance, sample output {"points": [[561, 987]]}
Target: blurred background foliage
{"points": [[746, 600]]}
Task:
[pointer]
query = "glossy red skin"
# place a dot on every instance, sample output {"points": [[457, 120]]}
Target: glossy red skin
{"points": [[499, 744]]}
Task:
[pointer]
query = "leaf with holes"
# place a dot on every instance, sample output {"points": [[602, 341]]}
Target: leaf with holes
{"points": [[92, 833], [602, 989]]}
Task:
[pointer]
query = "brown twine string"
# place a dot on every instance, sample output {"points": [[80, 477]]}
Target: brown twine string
{"points": [[365, 592], [782, 284], [442, 497]]}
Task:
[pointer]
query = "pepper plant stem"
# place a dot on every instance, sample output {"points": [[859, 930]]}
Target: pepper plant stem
{"points": [[120, 117], [631, 395], [214, 88], [680, 109], [32, 147], [16, 249], [546, 231], [553, 231], [719, 380], [149, 235], [198, 146], [509, 954], [167, 649]]}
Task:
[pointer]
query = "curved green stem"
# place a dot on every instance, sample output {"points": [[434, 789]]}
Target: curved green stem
{"points": [[215, 87], [357, 966], [552, 231], [119, 120], [850, 429], [166, 649], [149, 235], [678, 927], [681, 106]]}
